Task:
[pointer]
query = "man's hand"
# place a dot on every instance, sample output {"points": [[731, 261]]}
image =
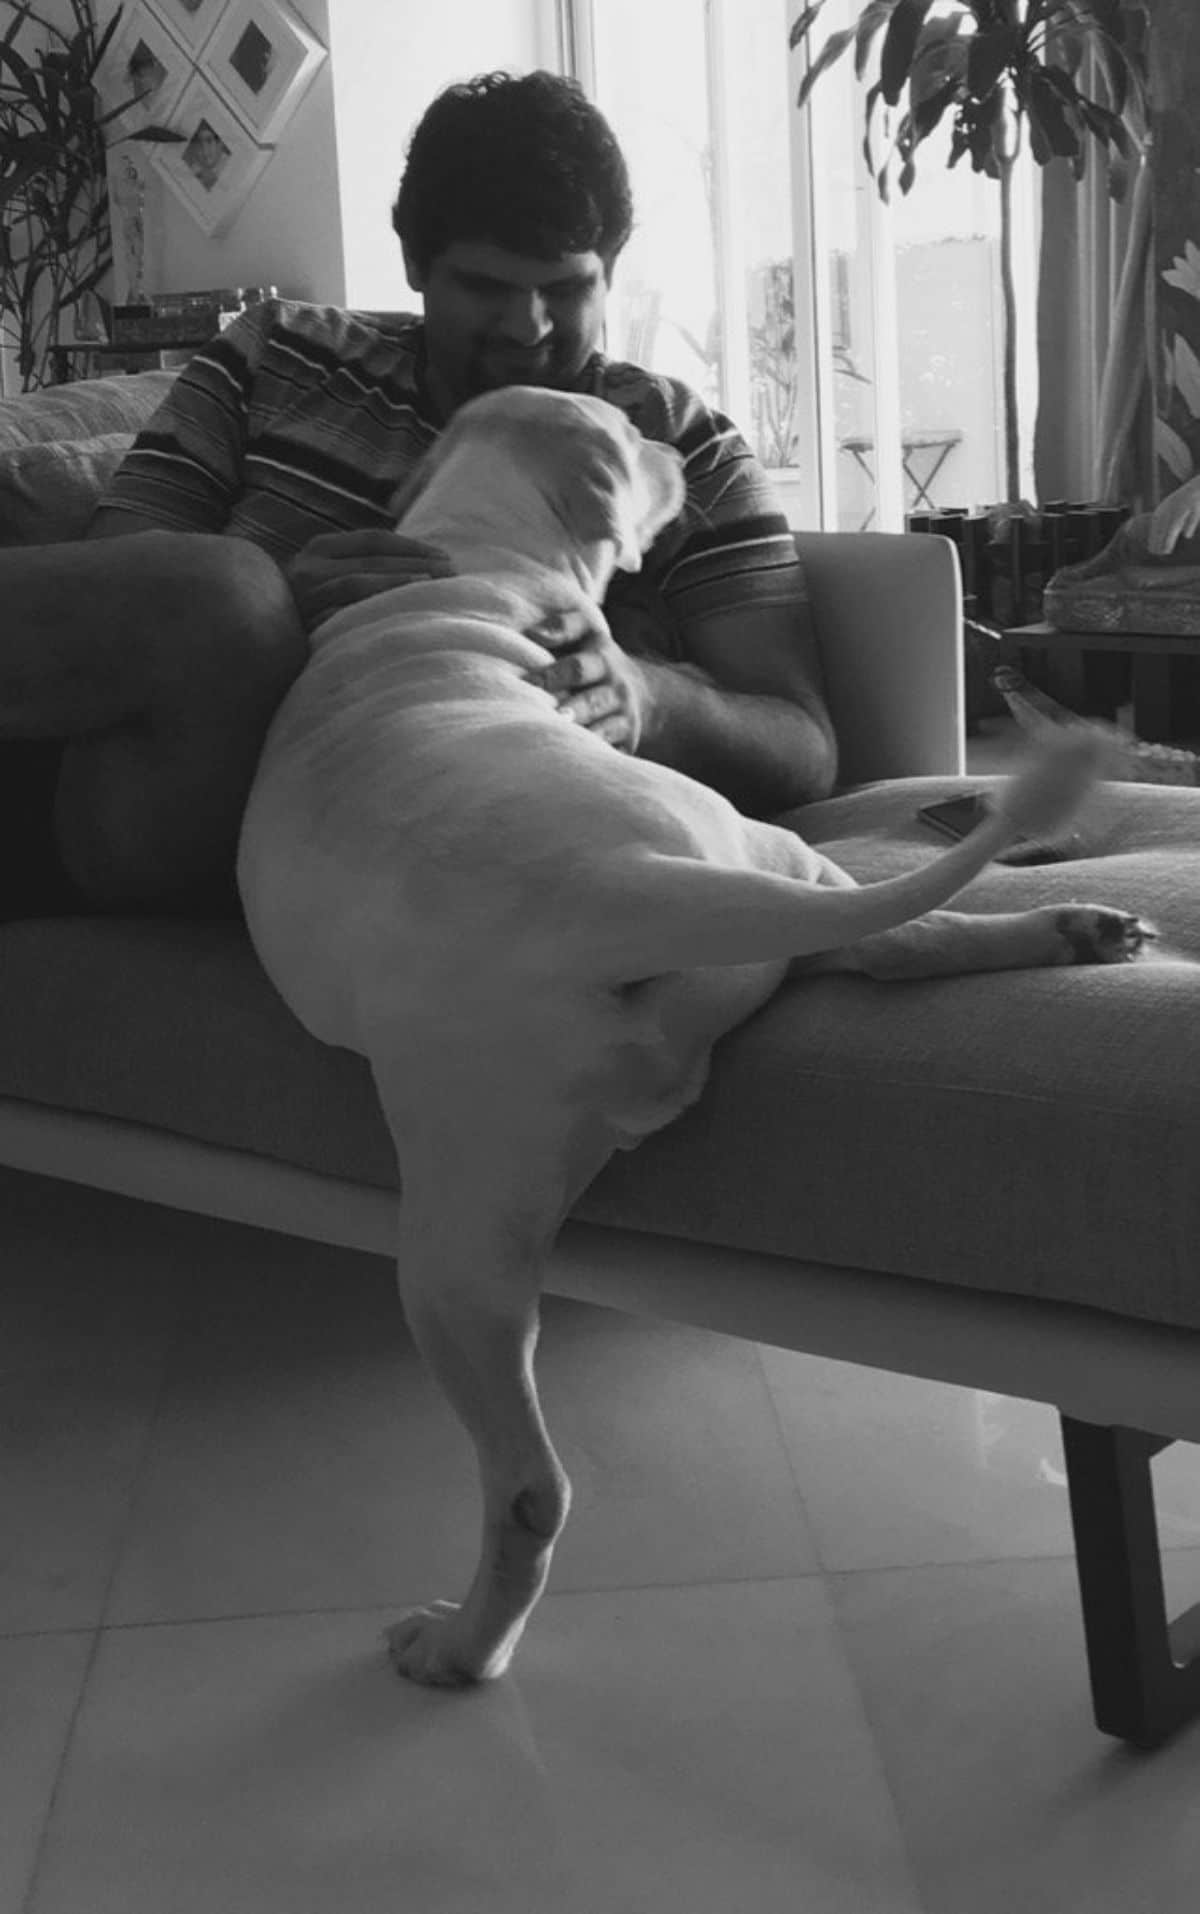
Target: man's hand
{"points": [[595, 683], [344, 568]]}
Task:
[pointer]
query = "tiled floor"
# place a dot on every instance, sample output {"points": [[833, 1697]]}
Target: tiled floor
{"points": [[812, 1640], [995, 745], [812, 1643]]}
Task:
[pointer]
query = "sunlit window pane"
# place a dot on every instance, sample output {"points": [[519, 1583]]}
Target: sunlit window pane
{"points": [[651, 81], [907, 352], [947, 250]]}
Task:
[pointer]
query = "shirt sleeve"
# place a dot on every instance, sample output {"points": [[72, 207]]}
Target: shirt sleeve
{"points": [[185, 468], [731, 547]]}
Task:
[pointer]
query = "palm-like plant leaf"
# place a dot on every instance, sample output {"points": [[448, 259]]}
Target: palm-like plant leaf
{"points": [[899, 47], [1070, 72]]}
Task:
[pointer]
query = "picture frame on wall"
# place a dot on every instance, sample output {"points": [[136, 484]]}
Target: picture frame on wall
{"points": [[217, 165], [145, 66], [263, 59], [191, 21]]}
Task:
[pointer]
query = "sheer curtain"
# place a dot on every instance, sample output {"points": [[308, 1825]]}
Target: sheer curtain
{"points": [[1094, 436]]}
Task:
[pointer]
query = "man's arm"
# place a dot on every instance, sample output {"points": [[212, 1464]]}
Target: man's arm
{"points": [[725, 669], [186, 466], [745, 714]]}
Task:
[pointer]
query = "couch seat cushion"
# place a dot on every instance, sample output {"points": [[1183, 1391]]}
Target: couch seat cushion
{"points": [[1034, 1132]]}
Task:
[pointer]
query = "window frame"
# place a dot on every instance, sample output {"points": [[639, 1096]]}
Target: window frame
{"points": [[812, 489]]}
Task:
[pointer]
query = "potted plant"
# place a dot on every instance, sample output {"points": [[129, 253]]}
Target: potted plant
{"points": [[55, 240], [1067, 72]]}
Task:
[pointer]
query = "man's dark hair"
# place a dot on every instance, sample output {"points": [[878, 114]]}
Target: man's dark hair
{"points": [[527, 164]]}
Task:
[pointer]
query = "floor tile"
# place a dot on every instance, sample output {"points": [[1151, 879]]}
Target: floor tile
{"points": [[672, 1443], [1181, 1580], [1176, 1476], [697, 1749], [897, 1472], [72, 1441], [83, 1343], [305, 1459], [85, 1272], [40, 1681], [975, 1683], [995, 747]]}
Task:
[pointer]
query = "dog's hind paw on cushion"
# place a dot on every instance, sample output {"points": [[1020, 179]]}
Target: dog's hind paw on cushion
{"points": [[1098, 934]]}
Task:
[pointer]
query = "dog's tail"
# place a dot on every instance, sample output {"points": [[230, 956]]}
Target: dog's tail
{"points": [[677, 913]]}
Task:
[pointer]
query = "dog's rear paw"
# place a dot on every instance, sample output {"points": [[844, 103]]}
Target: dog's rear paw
{"points": [[427, 1647], [1097, 934]]}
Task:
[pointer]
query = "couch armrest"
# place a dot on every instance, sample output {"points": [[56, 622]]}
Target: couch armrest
{"points": [[888, 613]]}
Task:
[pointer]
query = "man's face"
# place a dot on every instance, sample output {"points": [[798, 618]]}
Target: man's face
{"points": [[495, 318]]}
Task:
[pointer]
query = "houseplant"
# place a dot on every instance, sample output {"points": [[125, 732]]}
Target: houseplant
{"points": [[1065, 72], [55, 239]]}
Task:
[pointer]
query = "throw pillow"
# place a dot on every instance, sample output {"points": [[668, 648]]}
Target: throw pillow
{"points": [[48, 491]]}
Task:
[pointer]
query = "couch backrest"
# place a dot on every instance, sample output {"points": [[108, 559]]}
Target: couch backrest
{"points": [[60, 446], [887, 609]]}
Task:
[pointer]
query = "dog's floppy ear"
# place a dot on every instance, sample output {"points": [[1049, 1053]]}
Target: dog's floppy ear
{"points": [[410, 489], [599, 504]]}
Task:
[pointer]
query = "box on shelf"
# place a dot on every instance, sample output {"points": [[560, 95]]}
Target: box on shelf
{"points": [[175, 318]]}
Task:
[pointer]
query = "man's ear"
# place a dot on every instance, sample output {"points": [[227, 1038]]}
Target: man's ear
{"points": [[416, 278]]}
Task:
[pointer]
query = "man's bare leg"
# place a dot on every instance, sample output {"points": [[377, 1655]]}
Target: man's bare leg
{"points": [[160, 660]]}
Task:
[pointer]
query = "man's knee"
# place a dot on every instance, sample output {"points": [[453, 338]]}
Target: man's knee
{"points": [[149, 808], [226, 616], [99, 633]]}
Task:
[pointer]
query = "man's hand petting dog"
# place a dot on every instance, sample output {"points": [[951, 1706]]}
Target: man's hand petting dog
{"points": [[593, 681], [337, 569]]}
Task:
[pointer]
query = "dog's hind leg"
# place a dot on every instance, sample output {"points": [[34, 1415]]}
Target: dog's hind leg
{"points": [[480, 1207], [947, 943]]}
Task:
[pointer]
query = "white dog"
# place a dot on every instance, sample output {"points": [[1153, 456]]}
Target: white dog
{"points": [[536, 939]]}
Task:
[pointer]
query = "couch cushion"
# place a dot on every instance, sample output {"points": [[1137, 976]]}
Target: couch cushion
{"points": [[48, 491], [1034, 1132], [83, 409]]}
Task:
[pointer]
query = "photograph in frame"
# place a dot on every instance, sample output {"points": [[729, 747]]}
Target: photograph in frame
{"points": [[191, 21], [144, 66], [262, 58], [218, 163]]}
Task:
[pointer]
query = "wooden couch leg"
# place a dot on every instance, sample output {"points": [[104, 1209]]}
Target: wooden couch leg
{"points": [[1144, 1670]]}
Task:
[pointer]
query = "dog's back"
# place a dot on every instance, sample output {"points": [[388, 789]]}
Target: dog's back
{"points": [[421, 794]]}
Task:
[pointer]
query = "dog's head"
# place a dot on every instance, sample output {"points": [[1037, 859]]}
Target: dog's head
{"points": [[589, 463]]}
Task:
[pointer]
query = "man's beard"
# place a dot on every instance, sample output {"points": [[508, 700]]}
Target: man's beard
{"points": [[490, 368]]}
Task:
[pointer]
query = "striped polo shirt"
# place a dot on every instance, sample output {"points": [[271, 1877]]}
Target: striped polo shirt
{"points": [[303, 419]]}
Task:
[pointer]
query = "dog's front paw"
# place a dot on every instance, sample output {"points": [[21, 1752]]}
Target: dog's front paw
{"points": [[1097, 934], [428, 1646]]}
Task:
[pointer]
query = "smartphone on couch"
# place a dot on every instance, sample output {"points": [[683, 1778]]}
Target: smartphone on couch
{"points": [[957, 817]]}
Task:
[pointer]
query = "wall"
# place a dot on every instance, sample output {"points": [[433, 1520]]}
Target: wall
{"points": [[287, 233], [390, 57], [317, 223]]}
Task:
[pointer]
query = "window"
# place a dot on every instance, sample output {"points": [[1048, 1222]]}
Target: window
{"points": [[857, 345]]}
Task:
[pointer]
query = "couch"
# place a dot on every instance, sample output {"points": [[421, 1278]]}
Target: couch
{"points": [[990, 1181]]}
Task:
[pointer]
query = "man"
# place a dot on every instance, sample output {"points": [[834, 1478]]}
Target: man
{"points": [[294, 429]]}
